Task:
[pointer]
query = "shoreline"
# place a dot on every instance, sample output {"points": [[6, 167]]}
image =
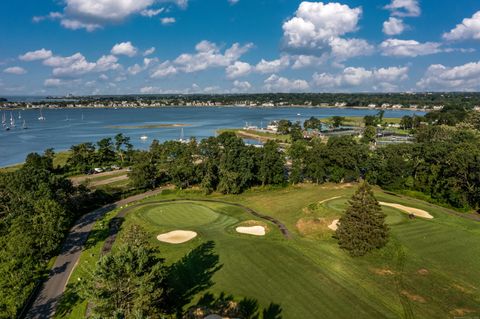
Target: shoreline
{"points": [[219, 106]]}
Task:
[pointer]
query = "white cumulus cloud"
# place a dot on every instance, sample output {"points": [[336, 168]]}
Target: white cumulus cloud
{"points": [[16, 70], [41, 54], [319, 27], [393, 26], [242, 86], [408, 48], [238, 69], [149, 51], [273, 66], [404, 8], [275, 83], [209, 55], [163, 70], [369, 79], [459, 78], [124, 48], [468, 29]]}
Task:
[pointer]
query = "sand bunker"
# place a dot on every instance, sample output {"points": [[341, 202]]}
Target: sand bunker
{"points": [[334, 225], [410, 210], [252, 230], [177, 236]]}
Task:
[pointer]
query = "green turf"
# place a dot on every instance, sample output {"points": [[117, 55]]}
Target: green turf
{"points": [[428, 269]]}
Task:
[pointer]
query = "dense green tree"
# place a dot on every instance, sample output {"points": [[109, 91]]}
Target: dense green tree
{"points": [[312, 123], [296, 132], [123, 147], [105, 152], [82, 157], [369, 134], [297, 153], [179, 160], [284, 126], [236, 168], [362, 228], [337, 121], [126, 283], [144, 175], [370, 120], [272, 165]]}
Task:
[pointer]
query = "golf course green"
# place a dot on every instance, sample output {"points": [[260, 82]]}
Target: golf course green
{"points": [[427, 270]]}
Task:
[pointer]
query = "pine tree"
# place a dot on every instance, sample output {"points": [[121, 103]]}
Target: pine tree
{"points": [[363, 227]]}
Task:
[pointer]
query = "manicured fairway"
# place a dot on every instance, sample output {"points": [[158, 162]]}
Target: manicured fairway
{"points": [[428, 269]]}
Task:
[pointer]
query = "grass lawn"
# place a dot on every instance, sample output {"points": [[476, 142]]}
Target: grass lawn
{"points": [[358, 120], [59, 160], [251, 134], [428, 269]]}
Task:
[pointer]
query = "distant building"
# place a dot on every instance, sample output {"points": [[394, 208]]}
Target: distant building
{"points": [[438, 107], [476, 108], [372, 106]]}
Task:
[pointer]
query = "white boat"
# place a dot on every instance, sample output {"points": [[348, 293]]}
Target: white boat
{"points": [[4, 122], [144, 137], [19, 115], [24, 126], [182, 138], [12, 120], [41, 117]]}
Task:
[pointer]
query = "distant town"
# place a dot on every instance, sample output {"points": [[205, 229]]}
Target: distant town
{"points": [[412, 101]]}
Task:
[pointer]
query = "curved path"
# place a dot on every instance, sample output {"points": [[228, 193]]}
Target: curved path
{"points": [[46, 300]]}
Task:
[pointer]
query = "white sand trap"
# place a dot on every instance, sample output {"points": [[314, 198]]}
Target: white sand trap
{"points": [[177, 236], [410, 210], [329, 199], [252, 230], [334, 225]]}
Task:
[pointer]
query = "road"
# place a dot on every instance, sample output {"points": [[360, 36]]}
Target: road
{"points": [[46, 301]]}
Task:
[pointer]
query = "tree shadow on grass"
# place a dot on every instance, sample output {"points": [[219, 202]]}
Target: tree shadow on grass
{"points": [[225, 306], [189, 276], [68, 300]]}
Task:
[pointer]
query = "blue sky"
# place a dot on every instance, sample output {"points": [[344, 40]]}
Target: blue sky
{"points": [[229, 46]]}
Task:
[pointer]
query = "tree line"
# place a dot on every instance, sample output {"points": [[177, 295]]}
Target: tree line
{"points": [[37, 207]]}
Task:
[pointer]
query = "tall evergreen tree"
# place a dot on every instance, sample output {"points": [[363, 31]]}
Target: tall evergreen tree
{"points": [[363, 227]]}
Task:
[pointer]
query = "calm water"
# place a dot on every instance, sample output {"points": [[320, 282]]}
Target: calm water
{"points": [[65, 127]]}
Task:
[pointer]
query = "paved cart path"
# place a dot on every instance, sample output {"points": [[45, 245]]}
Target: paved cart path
{"points": [[52, 289]]}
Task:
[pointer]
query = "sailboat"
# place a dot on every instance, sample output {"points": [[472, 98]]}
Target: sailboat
{"points": [[24, 126], [41, 117], [19, 115], [182, 138], [12, 120], [4, 122]]}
